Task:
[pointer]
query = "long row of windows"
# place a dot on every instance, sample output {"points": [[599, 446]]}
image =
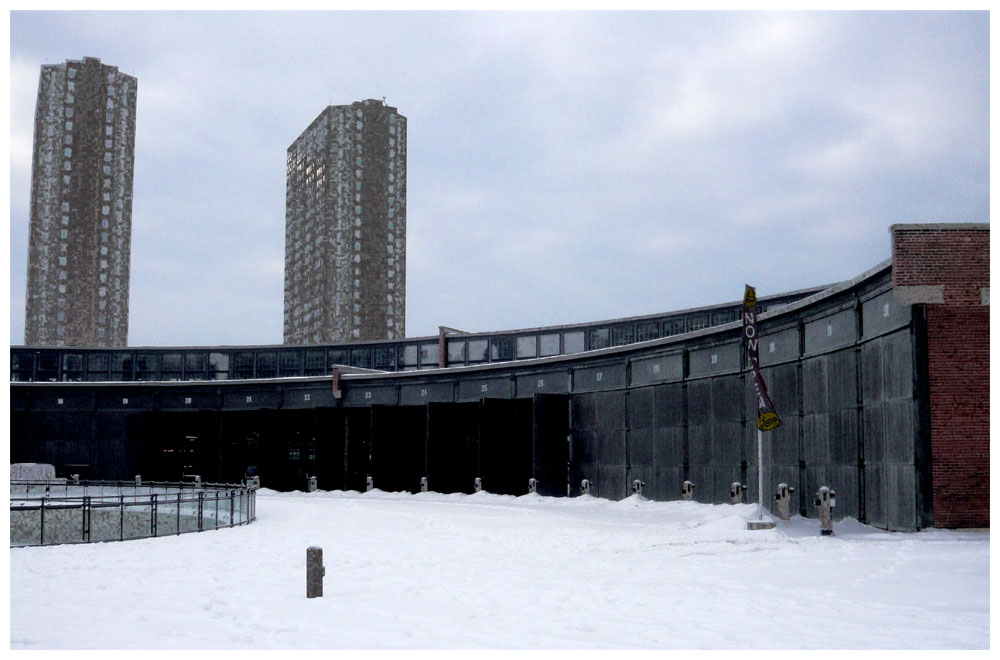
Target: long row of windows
{"points": [[276, 362]]}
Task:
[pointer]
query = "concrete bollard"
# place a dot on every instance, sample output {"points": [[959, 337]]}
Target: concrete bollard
{"points": [[736, 491], [423, 484], [687, 490], [311, 484], [314, 572], [369, 483], [782, 498], [532, 485], [478, 485], [637, 487], [138, 480], [585, 487], [826, 500]]}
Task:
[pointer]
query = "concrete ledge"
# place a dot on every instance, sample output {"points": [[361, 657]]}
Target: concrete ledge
{"points": [[919, 295]]}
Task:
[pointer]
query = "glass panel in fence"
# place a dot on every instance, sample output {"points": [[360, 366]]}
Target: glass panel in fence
{"points": [[105, 520], [62, 523], [189, 512], [24, 523], [138, 519]]}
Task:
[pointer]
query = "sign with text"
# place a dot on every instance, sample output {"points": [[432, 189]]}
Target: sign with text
{"points": [[767, 418]]}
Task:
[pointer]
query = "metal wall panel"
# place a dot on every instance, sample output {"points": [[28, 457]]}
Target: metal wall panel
{"points": [[884, 313], [830, 332], [476, 389], [125, 398], [418, 395], [251, 399], [599, 443], [781, 346], [63, 401], [889, 427], [658, 369], [308, 397], [190, 399], [720, 359], [543, 382], [363, 394], [605, 377]]}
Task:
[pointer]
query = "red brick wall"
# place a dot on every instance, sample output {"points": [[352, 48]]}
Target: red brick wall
{"points": [[956, 258]]}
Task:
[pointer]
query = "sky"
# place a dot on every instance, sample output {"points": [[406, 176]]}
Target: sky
{"points": [[563, 167]]}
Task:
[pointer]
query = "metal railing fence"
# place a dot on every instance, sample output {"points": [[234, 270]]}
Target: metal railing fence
{"points": [[60, 511]]}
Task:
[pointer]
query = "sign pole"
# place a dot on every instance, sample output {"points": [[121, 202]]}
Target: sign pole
{"points": [[760, 475], [767, 418]]}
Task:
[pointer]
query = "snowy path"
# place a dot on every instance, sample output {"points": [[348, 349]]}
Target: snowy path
{"points": [[488, 571]]}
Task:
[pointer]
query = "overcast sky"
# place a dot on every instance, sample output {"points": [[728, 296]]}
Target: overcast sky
{"points": [[562, 167]]}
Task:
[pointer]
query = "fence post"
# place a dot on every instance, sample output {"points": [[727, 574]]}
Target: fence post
{"points": [[152, 511], [232, 497], [179, 492], [121, 518], [41, 527], [201, 510]]}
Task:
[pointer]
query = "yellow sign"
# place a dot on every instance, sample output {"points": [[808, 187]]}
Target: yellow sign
{"points": [[768, 420], [750, 296]]}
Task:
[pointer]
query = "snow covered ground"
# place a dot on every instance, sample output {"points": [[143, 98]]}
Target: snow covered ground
{"points": [[490, 571]]}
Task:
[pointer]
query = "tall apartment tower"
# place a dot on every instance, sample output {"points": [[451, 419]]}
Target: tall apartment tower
{"points": [[345, 227], [81, 206]]}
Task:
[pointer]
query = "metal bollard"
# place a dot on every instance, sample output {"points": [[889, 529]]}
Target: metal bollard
{"points": [[532, 485], [585, 487], [423, 484], [369, 483], [736, 491], [478, 485], [314, 572], [311, 484], [687, 490], [138, 480], [826, 500], [782, 498], [637, 487]]}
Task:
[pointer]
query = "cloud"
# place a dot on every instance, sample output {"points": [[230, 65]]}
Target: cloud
{"points": [[561, 166]]}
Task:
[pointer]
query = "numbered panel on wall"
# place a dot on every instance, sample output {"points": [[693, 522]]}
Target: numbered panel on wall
{"points": [[555, 382], [658, 369], [125, 399], [187, 399], [313, 397], [590, 379], [412, 395], [361, 394], [251, 399], [473, 390]]}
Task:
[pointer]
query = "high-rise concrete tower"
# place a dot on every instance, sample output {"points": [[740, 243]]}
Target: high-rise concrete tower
{"points": [[345, 227], [81, 206]]}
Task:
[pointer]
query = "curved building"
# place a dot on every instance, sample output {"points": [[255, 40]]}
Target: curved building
{"points": [[881, 383]]}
